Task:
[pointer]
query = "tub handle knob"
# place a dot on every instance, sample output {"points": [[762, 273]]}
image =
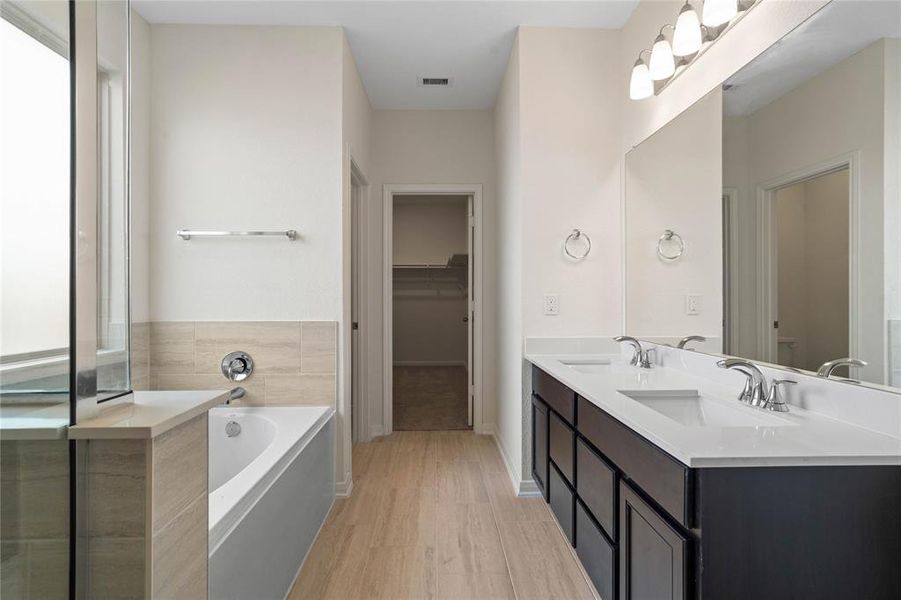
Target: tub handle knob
{"points": [[237, 366]]}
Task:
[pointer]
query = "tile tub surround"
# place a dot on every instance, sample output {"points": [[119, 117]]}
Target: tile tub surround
{"points": [[147, 514], [295, 362]]}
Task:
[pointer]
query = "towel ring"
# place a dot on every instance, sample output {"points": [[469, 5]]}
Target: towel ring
{"points": [[669, 236], [577, 235]]}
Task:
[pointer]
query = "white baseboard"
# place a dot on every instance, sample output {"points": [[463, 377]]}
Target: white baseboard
{"points": [[343, 489], [430, 363], [522, 487]]}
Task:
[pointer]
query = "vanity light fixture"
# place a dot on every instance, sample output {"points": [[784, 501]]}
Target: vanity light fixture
{"points": [[687, 37], [691, 38], [718, 12], [662, 64], [640, 85]]}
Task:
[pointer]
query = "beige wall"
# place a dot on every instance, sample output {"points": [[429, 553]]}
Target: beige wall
{"points": [[511, 419], [559, 117], [428, 147], [139, 140], [428, 230], [247, 126], [428, 316]]}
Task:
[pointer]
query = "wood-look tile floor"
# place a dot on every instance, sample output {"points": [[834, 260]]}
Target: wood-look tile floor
{"points": [[433, 515]]}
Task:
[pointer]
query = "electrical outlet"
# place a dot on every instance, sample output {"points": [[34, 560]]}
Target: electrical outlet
{"points": [[551, 304], [693, 304]]}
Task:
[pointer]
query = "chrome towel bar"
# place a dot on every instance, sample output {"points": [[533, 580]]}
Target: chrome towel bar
{"points": [[187, 234]]}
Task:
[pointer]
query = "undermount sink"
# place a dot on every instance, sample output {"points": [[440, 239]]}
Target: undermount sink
{"points": [[691, 409], [587, 365]]}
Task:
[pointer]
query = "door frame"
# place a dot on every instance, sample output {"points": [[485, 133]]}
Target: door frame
{"points": [[391, 190], [731, 266], [767, 339], [359, 191]]}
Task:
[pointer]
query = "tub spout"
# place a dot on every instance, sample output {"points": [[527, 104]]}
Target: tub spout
{"points": [[235, 394]]}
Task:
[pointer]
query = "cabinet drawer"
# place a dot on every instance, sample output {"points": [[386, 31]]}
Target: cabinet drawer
{"points": [[555, 394], [596, 553], [597, 486], [562, 445], [657, 473], [561, 500], [539, 444]]}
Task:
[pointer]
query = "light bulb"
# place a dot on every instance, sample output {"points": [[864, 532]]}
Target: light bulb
{"points": [[687, 37], [640, 86], [662, 64], [717, 12]]}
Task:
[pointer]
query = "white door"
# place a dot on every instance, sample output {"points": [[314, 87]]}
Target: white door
{"points": [[470, 307]]}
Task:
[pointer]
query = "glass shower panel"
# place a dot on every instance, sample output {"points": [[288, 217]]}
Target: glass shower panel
{"points": [[35, 153], [113, 377]]}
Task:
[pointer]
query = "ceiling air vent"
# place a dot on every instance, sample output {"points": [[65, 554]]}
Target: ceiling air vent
{"points": [[434, 81]]}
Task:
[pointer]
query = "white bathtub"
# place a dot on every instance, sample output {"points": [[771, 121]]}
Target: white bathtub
{"points": [[271, 487]]}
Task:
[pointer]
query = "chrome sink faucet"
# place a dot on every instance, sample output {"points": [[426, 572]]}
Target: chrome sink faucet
{"points": [[755, 384], [690, 338], [753, 392], [639, 355], [826, 369]]}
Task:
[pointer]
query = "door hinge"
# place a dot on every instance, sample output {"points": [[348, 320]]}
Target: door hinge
{"points": [[355, 325], [775, 324]]}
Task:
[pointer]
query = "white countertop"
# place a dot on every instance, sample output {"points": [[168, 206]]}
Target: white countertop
{"points": [[151, 414], [803, 437]]}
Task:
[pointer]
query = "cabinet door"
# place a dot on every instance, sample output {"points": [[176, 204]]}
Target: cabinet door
{"points": [[653, 554], [539, 444], [562, 501], [596, 553]]}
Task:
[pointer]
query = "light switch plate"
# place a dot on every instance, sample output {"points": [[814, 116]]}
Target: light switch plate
{"points": [[693, 304], [551, 304]]}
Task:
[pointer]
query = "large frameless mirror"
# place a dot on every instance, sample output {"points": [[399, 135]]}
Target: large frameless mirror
{"points": [[783, 187]]}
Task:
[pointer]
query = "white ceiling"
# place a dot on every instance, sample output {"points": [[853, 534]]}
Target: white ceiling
{"points": [[841, 29], [396, 42]]}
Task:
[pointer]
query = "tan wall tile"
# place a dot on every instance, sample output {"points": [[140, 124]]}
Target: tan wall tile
{"points": [[294, 361], [318, 346], [180, 552], [172, 347], [179, 470], [140, 352], [273, 345], [48, 569], [316, 389], [116, 478], [13, 569], [116, 568], [34, 489]]}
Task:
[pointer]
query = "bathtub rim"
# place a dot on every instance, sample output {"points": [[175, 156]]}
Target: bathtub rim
{"points": [[243, 497]]}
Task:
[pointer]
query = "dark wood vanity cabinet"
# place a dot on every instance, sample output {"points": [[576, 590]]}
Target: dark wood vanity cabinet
{"points": [[645, 526]]}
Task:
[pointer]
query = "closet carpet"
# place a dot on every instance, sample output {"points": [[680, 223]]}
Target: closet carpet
{"points": [[430, 398]]}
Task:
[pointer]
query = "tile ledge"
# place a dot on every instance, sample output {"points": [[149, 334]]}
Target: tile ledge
{"points": [[149, 415]]}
